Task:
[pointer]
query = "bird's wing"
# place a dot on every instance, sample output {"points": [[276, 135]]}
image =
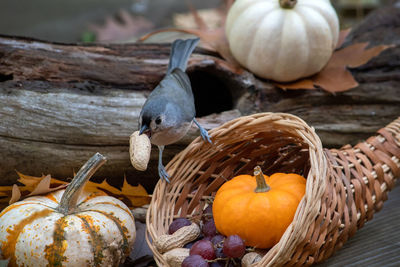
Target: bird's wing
{"points": [[183, 80], [175, 88]]}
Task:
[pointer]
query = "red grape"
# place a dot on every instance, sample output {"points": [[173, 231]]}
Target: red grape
{"points": [[177, 224], [234, 246], [209, 228], [195, 261], [203, 248]]}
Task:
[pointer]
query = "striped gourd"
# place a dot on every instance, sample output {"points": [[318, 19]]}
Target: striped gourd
{"points": [[68, 227]]}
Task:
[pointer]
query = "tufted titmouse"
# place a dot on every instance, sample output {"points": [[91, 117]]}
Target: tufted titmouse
{"points": [[169, 110]]}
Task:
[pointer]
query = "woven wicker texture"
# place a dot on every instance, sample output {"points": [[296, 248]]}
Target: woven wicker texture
{"points": [[344, 186]]}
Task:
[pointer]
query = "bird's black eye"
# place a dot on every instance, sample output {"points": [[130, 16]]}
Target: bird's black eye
{"points": [[158, 120]]}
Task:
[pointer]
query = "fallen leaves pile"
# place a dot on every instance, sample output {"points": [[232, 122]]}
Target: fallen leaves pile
{"points": [[132, 196]]}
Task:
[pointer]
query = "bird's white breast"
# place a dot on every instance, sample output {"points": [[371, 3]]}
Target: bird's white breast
{"points": [[170, 135]]}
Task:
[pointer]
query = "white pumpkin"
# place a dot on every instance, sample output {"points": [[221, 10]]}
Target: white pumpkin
{"points": [[282, 40], [71, 229]]}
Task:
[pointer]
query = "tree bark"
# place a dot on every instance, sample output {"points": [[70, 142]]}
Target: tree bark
{"points": [[61, 103]]}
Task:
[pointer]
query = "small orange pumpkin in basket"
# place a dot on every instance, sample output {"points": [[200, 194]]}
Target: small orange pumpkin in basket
{"points": [[258, 208]]}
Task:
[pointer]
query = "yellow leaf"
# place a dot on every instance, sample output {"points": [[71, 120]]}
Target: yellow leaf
{"points": [[5, 195], [5, 190], [133, 196], [104, 185], [136, 194]]}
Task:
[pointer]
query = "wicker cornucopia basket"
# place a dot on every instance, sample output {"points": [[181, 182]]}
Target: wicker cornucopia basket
{"points": [[344, 186]]}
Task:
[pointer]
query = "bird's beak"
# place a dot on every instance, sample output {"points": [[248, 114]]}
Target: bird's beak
{"points": [[144, 129]]}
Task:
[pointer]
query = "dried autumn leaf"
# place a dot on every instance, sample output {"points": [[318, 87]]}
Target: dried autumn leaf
{"points": [[15, 195], [212, 38], [342, 37], [133, 196], [212, 19], [44, 187], [300, 84], [335, 76], [137, 194], [127, 27], [31, 182], [5, 193], [35, 186]]}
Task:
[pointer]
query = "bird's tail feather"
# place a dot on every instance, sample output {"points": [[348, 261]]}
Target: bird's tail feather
{"points": [[180, 53]]}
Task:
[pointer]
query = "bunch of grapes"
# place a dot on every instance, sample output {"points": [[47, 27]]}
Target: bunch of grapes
{"points": [[211, 248]]}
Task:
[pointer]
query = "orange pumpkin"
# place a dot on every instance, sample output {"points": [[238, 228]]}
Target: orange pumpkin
{"points": [[258, 208]]}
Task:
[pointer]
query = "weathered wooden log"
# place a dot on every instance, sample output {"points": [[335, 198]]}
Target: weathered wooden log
{"points": [[60, 103]]}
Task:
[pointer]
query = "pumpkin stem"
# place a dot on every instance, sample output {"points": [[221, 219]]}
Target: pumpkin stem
{"points": [[72, 192], [262, 186], [287, 4]]}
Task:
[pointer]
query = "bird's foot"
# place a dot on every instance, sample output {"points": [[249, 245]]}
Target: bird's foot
{"points": [[203, 132], [205, 135], [163, 173]]}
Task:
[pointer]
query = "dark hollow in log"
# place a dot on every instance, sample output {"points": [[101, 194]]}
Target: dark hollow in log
{"points": [[61, 103]]}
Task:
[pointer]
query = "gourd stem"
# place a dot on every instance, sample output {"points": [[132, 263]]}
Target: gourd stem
{"points": [[287, 4], [262, 186], [70, 197]]}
